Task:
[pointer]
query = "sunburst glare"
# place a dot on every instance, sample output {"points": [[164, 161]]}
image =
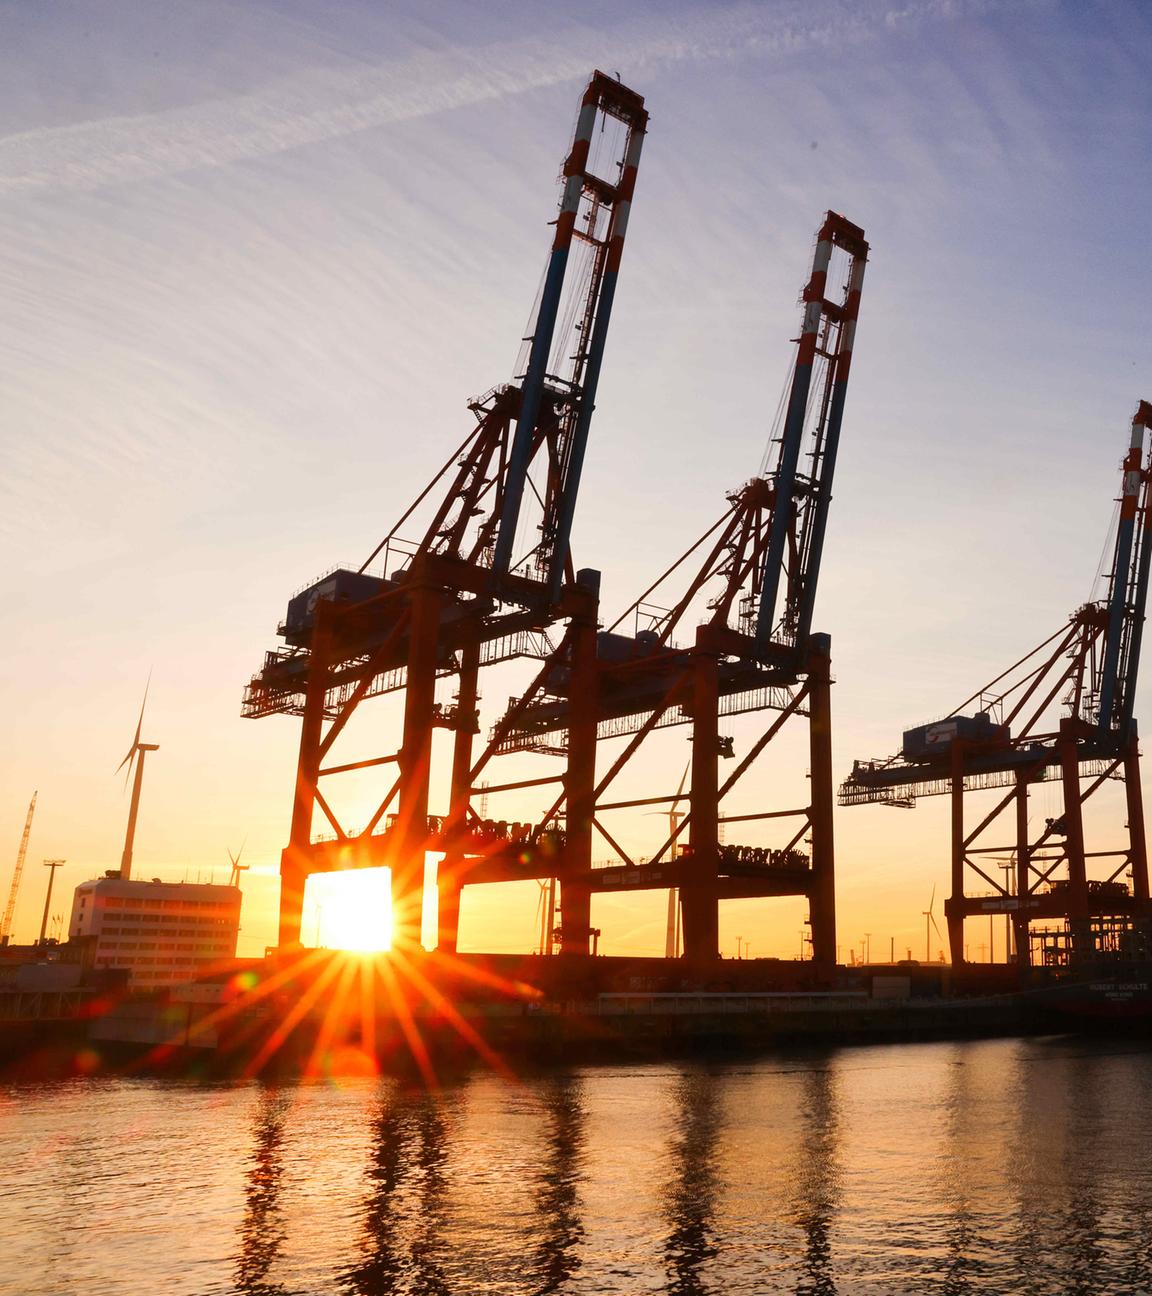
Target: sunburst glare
{"points": [[349, 910]]}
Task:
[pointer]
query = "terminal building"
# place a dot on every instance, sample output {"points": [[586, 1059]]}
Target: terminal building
{"points": [[162, 933]]}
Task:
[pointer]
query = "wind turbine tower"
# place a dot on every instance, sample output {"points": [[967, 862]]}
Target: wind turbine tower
{"points": [[136, 752], [929, 925]]}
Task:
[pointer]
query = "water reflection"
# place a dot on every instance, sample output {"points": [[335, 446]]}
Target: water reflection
{"points": [[1077, 1170], [558, 1185], [690, 1198], [818, 1180], [938, 1170], [957, 1176], [1050, 1241], [262, 1230], [403, 1216]]}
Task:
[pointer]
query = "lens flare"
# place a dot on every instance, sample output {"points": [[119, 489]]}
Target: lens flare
{"points": [[350, 910]]}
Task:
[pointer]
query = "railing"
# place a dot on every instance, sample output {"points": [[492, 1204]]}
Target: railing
{"points": [[635, 1003], [905, 793], [266, 695]]}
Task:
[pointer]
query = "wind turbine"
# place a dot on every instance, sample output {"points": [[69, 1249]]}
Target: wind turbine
{"points": [[136, 752], [546, 912], [237, 867], [672, 936], [929, 924]]}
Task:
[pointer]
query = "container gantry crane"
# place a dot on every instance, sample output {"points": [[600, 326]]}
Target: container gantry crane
{"points": [[754, 651], [1062, 713], [464, 595]]}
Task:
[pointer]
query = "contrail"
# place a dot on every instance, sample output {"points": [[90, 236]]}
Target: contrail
{"points": [[324, 105]]}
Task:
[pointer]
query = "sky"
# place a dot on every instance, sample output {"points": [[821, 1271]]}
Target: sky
{"points": [[256, 259]]}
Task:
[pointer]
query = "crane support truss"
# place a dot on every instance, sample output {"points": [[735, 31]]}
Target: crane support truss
{"points": [[743, 659], [560, 843], [464, 595], [1061, 714]]}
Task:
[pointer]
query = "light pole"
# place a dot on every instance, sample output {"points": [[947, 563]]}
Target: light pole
{"points": [[51, 866]]}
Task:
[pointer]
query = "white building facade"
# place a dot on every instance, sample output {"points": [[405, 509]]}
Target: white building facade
{"points": [[164, 933]]}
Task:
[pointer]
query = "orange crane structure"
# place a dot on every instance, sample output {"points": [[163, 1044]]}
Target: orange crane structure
{"points": [[17, 873], [1063, 713], [490, 576], [753, 652]]}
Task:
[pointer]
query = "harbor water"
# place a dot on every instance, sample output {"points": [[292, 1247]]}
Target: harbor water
{"points": [[993, 1166]]}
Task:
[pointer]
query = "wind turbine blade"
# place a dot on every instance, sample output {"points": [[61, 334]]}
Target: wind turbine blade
{"points": [[139, 730], [538, 919], [935, 928], [140, 721], [933, 900], [680, 789]]}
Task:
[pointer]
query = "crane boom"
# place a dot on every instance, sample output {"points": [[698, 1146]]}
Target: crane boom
{"points": [[496, 519], [801, 498], [1129, 586], [772, 533], [596, 210], [14, 889]]}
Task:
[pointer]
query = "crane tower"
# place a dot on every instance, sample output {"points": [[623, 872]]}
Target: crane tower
{"points": [[1062, 714], [489, 573], [754, 651]]}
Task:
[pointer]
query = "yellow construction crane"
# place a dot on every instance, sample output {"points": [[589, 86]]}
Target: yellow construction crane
{"points": [[13, 890]]}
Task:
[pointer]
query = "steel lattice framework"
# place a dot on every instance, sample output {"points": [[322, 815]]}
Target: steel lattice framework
{"points": [[753, 652], [471, 591], [1063, 712]]}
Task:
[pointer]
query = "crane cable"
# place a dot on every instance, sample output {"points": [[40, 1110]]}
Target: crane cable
{"points": [[776, 427], [1109, 547]]}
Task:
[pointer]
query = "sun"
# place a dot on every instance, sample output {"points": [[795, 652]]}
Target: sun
{"points": [[350, 910]]}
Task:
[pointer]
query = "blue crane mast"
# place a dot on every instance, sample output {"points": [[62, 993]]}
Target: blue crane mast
{"points": [[1128, 593]]}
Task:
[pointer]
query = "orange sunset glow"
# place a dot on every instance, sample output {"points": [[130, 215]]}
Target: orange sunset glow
{"points": [[575, 578], [307, 302]]}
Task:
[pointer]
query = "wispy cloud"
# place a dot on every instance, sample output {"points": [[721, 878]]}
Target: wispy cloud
{"points": [[325, 105]]}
